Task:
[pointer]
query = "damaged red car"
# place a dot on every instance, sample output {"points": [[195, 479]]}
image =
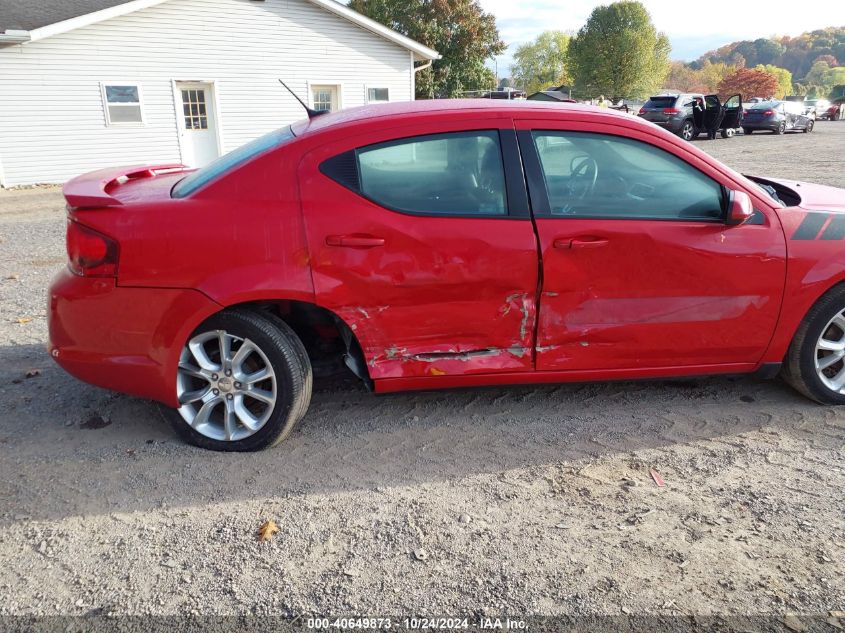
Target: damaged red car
{"points": [[442, 244]]}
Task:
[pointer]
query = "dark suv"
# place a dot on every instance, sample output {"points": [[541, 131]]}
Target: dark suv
{"points": [[679, 114], [673, 112]]}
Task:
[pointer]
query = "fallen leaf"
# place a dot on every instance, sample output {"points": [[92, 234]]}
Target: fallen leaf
{"points": [[657, 478], [24, 320], [32, 373], [267, 530]]}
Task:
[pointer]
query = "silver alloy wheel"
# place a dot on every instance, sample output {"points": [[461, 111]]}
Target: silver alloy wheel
{"points": [[226, 386], [830, 354], [687, 131]]}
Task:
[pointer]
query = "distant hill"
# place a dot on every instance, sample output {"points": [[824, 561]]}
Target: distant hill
{"points": [[796, 54]]}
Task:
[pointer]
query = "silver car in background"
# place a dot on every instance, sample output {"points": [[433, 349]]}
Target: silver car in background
{"points": [[778, 117]]}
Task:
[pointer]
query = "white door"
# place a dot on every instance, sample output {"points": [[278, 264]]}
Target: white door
{"points": [[198, 127]]}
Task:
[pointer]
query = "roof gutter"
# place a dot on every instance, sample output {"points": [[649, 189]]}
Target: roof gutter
{"points": [[423, 66], [13, 38]]}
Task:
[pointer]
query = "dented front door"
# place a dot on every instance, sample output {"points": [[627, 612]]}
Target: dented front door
{"points": [[433, 290], [633, 278]]}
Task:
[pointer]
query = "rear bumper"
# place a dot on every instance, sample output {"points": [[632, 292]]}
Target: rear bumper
{"points": [[124, 339]]}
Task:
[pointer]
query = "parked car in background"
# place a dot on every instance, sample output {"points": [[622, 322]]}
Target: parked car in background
{"points": [[778, 117], [815, 108], [678, 113], [836, 110]]}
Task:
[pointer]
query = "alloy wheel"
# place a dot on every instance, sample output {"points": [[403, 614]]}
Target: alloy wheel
{"points": [[686, 132], [830, 354], [225, 385]]}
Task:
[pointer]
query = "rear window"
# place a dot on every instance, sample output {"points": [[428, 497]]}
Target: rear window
{"points": [[660, 102], [226, 163]]}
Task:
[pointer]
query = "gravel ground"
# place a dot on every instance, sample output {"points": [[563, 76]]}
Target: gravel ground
{"points": [[509, 500]]}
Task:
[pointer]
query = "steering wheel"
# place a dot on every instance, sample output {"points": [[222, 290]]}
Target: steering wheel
{"points": [[584, 172]]}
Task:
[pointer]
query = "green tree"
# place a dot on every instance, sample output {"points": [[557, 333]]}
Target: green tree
{"points": [[784, 80], [619, 53], [542, 63], [464, 35], [821, 79]]}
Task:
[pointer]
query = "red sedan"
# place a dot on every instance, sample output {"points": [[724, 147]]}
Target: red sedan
{"points": [[442, 244]]}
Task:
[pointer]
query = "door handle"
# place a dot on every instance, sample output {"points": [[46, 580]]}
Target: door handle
{"points": [[589, 243], [355, 241], [565, 243]]}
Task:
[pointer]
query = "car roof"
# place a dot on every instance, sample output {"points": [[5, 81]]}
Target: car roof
{"points": [[437, 107]]}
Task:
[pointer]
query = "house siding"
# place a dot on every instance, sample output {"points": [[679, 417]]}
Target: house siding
{"points": [[52, 120]]}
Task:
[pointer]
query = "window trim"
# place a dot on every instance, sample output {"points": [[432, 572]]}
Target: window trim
{"points": [[335, 83], [368, 87], [541, 207], [516, 195], [106, 104]]}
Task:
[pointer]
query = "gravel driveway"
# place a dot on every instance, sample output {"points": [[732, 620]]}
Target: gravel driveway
{"points": [[507, 500]]}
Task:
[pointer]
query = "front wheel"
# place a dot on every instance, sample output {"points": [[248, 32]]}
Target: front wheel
{"points": [[809, 127], [781, 128], [243, 382], [815, 362]]}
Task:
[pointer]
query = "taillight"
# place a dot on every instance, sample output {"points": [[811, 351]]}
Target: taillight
{"points": [[671, 111], [642, 110], [89, 252], [768, 113]]}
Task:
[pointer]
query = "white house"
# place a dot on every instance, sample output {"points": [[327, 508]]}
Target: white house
{"points": [[86, 84]]}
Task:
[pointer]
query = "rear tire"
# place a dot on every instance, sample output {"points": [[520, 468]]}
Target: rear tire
{"points": [[240, 418], [688, 131], [815, 362], [810, 126], [781, 128]]}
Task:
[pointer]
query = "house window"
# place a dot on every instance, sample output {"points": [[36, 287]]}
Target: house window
{"points": [[325, 97], [194, 109], [122, 103], [378, 95]]}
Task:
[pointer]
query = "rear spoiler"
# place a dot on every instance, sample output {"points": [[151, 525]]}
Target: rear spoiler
{"points": [[93, 189]]}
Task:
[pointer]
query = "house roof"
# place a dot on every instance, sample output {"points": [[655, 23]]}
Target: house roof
{"points": [[24, 21]]}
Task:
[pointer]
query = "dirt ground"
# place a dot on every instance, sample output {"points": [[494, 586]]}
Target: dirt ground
{"points": [[517, 500]]}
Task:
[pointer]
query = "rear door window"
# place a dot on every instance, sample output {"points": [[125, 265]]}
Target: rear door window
{"points": [[458, 173]]}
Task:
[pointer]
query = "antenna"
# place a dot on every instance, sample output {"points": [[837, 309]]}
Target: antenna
{"points": [[311, 113]]}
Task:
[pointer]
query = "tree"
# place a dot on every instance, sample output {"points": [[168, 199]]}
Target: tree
{"points": [[784, 78], [713, 74], [464, 35], [748, 83], [619, 53], [821, 79], [542, 63], [684, 78]]}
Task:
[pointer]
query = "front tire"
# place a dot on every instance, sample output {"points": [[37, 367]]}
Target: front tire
{"points": [[781, 128], [815, 362], [809, 127], [243, 383]]}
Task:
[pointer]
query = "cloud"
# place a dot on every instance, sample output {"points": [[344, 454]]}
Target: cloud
{"points": [[717, 22]]}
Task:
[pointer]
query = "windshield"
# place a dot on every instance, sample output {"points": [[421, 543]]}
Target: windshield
{"points": [[190, 183], [660, 102]]}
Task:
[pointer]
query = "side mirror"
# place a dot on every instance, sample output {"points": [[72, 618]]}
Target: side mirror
{"points": [[740, 208]]}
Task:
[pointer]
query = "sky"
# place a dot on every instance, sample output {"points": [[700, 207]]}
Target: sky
{"points": [[693, 27]]}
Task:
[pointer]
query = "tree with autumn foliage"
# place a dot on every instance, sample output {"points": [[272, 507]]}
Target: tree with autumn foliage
{"points": [[748, 83], [465, 36]]}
